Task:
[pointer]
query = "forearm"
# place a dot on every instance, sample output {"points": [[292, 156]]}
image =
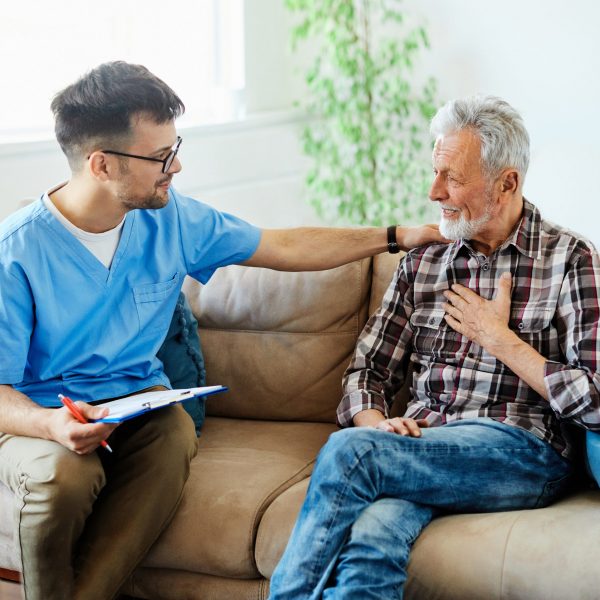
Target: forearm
{"points": [[19, 415], [319, 248], [316, 249], [523, 360]]}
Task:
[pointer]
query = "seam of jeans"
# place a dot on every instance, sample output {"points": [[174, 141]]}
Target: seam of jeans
{"points": [[429, 446], [336, 501]]}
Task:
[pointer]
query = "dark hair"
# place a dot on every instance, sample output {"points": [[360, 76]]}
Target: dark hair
{"points": [[98, 108]]}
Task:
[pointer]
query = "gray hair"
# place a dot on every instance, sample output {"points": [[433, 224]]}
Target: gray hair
{"points": [[504, 139]]}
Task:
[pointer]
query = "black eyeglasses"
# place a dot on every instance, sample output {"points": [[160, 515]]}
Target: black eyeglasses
{"points": [[166, 162]]}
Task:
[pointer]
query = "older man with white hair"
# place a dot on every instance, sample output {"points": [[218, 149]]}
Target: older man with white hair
{"points": [[502, 327]]}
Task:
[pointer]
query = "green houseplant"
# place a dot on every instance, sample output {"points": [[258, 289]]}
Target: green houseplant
{"points": [[368, 132]]}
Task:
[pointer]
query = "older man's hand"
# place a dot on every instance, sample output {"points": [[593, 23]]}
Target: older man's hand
{"points": [[403, 426], [483, 321], [411, 237]]}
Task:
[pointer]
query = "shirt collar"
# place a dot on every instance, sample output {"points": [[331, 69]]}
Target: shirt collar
{"points": [[526, 238]]}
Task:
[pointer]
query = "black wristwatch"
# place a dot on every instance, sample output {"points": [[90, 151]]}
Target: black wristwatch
{"points": [[393, 247]]}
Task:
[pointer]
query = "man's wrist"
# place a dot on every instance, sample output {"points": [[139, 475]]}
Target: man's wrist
{"points": [[503, 344], [392, 239], [368, 418]]}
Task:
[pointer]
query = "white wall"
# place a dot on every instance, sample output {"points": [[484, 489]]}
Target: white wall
{"points": [[543, 56], [254, 169]]}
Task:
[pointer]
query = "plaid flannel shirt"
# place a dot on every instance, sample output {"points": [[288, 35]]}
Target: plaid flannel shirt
{"points": [[555, 308]]}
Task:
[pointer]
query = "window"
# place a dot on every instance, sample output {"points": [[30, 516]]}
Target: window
{"points": [[196, 46]]}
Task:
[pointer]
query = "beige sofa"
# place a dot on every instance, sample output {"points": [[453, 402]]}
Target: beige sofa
{"points": [[281, 341]]}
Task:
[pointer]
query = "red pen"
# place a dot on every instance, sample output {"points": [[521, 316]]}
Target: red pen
{"points": [[77, 414]]}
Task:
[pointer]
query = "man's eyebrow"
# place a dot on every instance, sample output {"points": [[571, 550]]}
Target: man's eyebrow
{"points": [[163, 149]]}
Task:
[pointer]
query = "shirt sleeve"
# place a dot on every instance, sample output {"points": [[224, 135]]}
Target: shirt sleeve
{"points": [[213, 239], [573, 388], [376, 371], [16, 325]]}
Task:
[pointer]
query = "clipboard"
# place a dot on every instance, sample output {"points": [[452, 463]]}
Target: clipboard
{"points": [[135, 405]]}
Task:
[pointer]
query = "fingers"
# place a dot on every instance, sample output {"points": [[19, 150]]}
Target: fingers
{"points": [[456, 300], [465, 293], [91, 412], [455, 324], [453, 311], [401, 426], [504, 287], [384, 426], [84, 439]]}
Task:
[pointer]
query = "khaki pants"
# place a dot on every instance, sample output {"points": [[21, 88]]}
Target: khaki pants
{"points": [[85, 522]]}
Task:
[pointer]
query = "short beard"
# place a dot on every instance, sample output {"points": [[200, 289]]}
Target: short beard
{"points": [[145, 203], [141, 202], [461, 229]]}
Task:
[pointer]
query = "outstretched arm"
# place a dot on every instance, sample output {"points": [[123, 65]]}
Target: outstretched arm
{"points": [[319, 248]]}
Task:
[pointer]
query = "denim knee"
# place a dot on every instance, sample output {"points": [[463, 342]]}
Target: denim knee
{"points": [[347, 446]]}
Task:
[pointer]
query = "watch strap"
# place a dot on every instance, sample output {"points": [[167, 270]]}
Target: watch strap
{"points": [[393, 247]]}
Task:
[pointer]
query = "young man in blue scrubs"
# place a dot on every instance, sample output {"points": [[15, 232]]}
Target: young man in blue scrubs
{"points": [[89, 278]]}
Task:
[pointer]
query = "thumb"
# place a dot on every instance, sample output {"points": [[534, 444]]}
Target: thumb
{"points": [[504, 287], [92, 412]]}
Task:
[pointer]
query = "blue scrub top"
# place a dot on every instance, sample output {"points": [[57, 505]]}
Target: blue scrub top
{"points": [[69, 325]]}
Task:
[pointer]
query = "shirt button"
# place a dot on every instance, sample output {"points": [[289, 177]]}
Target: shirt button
{"points": [[432, 321], [471, 355], [485, 266], [521, 325]]}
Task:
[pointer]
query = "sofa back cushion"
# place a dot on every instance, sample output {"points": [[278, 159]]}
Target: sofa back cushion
{"points": [[280, 341]]}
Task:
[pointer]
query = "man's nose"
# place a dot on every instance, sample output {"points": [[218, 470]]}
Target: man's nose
{"points": [[175, 166], [438, 190]]}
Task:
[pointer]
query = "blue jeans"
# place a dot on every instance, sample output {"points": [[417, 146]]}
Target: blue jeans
{"points": [[372, 492]]}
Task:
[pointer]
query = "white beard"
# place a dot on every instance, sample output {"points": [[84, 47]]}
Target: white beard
{"points": [[457, 229]]}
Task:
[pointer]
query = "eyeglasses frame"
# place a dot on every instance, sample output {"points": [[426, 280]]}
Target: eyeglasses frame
{"points": [[166, 162]]}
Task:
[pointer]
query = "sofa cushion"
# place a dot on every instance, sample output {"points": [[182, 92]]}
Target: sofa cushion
{"points": [[171, 584], [276, 527], [543, 554], [241, 467], [280, 341]]}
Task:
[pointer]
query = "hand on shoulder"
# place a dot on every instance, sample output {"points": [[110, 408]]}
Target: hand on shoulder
{"points": [[411, 237]]}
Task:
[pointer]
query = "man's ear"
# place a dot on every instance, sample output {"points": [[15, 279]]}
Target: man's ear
{"points": [[509, 182], [98, 166]]}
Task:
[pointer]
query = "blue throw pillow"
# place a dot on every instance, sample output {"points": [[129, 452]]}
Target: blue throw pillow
{"points": [[182, 358], [592, 442]]}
